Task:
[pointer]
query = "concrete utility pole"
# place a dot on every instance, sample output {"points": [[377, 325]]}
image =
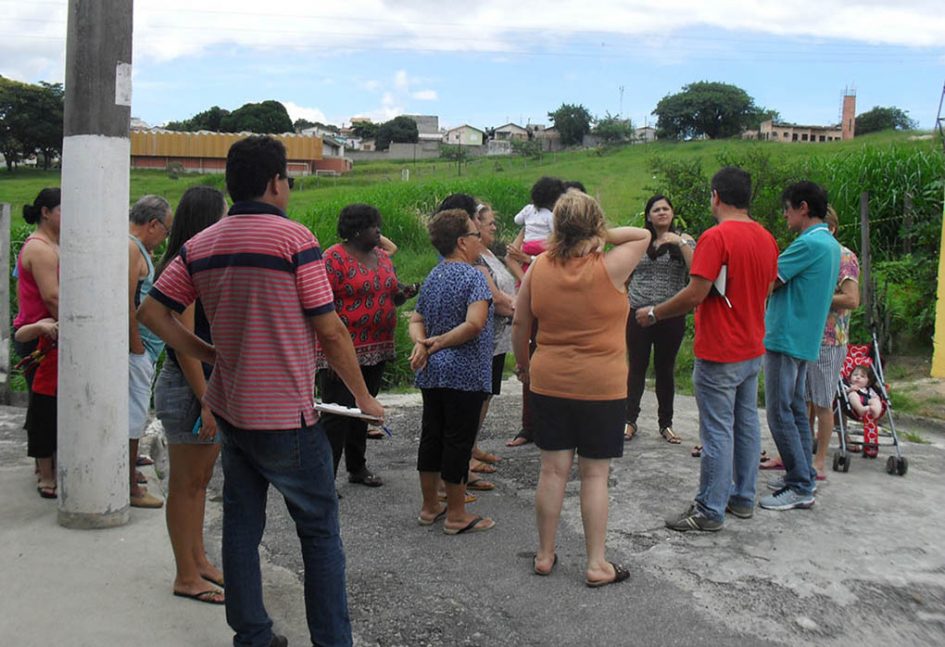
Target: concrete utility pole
{"points": [[93, 305]]}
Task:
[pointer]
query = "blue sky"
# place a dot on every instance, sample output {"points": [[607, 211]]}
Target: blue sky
{"points": [[486, 62]]}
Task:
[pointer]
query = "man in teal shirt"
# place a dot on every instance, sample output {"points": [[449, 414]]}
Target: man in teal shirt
{"points": [[794, 321]]}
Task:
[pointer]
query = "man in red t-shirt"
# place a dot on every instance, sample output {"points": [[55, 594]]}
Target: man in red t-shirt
{"points": [[733, 268]]}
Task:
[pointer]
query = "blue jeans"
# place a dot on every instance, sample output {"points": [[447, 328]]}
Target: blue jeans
{"points": [[727, 396], [298, 463], [786, 405]]}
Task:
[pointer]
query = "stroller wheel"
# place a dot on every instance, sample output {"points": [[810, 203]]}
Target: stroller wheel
{"points": [[841, 462], [902, 466], [891, 465]]}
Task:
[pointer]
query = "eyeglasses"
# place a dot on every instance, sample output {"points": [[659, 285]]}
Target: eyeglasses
{"points": [[167, 232], [471, 233]]}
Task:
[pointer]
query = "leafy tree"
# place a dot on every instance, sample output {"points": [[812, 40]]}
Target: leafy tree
{"points": [[530, 148], [709, 109], [266, 117], [455, 153], [572, 122], [301, 124], [365, 129], [30, 120], [612, 129], [400, 130], [762, 114], [878, 118], [211, 119]]}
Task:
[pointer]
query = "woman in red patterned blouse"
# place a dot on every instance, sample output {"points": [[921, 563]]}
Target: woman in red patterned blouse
{"points": [[367, 294]]}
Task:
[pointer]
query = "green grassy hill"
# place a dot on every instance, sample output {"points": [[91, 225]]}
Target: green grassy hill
{"points": [[621, 178]]}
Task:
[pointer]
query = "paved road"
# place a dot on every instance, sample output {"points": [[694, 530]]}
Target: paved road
{"points": [[864, 567]]}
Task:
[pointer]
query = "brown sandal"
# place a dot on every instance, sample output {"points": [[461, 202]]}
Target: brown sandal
{"points": [[669, 436]]}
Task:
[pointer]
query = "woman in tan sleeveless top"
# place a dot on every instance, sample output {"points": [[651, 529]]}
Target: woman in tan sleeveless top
{"points": [[577, 376]]}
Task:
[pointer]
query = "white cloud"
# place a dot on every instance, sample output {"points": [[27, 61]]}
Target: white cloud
{"points": [[424, 95], [301, 112], [170, 29]]}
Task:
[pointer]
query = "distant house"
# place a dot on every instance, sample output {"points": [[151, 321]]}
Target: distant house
{"points": [[510, 131], [464, 135], [548, 136], [775, 131], [428, 127], [333, 161], [644, 134]]}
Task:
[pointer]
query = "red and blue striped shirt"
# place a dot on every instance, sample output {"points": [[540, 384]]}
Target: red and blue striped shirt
{"points": [[260, 277]]}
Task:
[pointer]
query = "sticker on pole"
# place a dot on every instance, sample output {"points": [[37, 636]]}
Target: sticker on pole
{"points": [[123, 84]]}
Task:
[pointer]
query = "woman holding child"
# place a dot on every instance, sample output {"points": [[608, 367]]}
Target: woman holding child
{"points": [[576, 378]]}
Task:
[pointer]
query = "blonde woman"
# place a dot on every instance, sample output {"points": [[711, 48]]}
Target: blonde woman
{"points": [[577, 375]]}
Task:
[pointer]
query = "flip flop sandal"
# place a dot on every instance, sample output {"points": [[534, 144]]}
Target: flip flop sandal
{"points": [[486, 457], [211, 596], [429, 522], [771, 464], [47, 491], [375, 433], [481, 467], [629, 431], [620, 574], [478, 524], [470, 498], [544, 573], [669, 436], [481, 485], [696, 451]]}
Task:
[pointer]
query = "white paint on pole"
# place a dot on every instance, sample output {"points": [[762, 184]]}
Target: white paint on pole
{"points": [[93, 337], [123, 84]]}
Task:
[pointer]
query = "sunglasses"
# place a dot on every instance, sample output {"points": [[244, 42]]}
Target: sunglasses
{"points": [[471, 233]]}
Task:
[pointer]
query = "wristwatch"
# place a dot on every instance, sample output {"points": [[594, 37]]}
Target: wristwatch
{"points": [[651, 315]]}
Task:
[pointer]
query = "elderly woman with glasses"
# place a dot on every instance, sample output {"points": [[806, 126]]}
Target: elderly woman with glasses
{"points": [[452, 334]]}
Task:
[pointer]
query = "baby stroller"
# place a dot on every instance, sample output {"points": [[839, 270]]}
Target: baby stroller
{"points": [[867, 426]]}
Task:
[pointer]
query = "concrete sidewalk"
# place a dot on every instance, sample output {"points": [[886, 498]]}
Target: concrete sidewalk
{"points": [[87, 587]]}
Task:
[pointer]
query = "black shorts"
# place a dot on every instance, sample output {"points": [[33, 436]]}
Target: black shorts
{"points": [[593, 427], [498, 367]]}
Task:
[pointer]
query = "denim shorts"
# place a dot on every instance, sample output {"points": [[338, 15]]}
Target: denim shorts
{"points": [[140, 375], [177, 407]]}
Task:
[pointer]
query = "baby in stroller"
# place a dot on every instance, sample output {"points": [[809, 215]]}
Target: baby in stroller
{"points": [[864, 400]]}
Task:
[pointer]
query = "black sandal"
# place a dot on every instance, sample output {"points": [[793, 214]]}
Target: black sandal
{"points": [[366, 477], [629, 431]]}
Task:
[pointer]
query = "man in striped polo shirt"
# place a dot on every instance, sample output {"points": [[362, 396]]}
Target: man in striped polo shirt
{"points": [[262, 283]]}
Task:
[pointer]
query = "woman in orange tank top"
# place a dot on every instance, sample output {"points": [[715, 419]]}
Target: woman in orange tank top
{"points": [[577, 375]]}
